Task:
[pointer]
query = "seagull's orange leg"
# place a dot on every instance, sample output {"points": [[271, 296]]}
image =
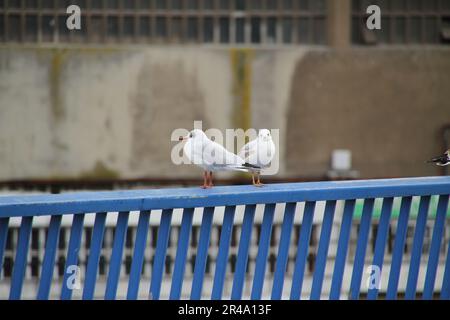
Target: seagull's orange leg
{"points": [[210, 185], [205, 180], [253, 179], [258, 182]]}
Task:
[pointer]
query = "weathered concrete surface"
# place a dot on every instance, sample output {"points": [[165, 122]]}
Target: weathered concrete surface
{"points": [[387, 106], [103, 112], [109, 112]]}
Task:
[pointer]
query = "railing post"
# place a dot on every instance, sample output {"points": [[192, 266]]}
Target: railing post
{"points": [[339, 263], [361, 247], [160, 254], [72, 253], [49, 258], [138, 255], [421, 222], [222, 256], [283, 251], [402, 228], [302, 250], [180, 259], [94, 256], [202, 253], [380, 243], [322, 250], [20, 264], [242, 257], [116, 256], [435, 247], [263, 250]]}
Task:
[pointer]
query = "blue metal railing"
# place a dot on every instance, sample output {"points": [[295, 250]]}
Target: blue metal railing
{"points": [[101, 203]]}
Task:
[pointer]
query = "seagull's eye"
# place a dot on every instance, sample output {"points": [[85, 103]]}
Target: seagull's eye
{"points": [[190, 135]]}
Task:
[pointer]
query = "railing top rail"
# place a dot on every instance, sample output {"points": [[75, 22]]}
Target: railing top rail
{"points": [[87, 202]]}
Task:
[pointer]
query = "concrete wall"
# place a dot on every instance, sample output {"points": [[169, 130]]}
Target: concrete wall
{"points": [[387, 106], [109, 112]]}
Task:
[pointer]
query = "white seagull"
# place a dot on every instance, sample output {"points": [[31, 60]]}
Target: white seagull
{"points": [[443, 160], [258, 154], [210, 156]]}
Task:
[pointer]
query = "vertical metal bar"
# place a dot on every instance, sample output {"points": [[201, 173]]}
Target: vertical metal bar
{"points": [[433, 260], [222, 256], [94, 256], [3, 236], [49, 257], [380, 243], [20, 262], [180, 259], [72, 253], [283, 251], [322, 250], [116, 256], [421, 222], [202, 253], [341, 254], [302, 250], [361, 247], [242, 257], [445, 288], [263, 250], [402, 228], [138, 255], [160, 253]]}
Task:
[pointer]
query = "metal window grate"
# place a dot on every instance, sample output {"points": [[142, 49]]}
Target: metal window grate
{"points": [[403, 22], [176, 21]]}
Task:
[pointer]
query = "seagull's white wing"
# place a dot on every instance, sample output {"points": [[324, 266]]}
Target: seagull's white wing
{"points": [[248, 150], [216, 154], [193, 149]]}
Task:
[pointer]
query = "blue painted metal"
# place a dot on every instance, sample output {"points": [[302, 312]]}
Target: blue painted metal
{"points": [[140, 200], [380, 242], [3, 235], [445, 288], [138, 255], [361, 247], [20, 263], [160, 253], [411, 284], [202, 253], [263, 251], [189, 198], [283, 251], [302, 250], [402, 228], [322, 250], [49, 258], [341, 255], [242, 256], [180, 259], [94, 256], [433, 259], [72, 253], [222, 256], [116, 256]]}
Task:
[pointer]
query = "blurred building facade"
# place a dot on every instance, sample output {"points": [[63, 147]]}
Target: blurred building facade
{"points": [[98, 102], [102, 102]]}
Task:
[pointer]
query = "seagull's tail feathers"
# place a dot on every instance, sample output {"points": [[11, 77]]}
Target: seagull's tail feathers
{"points": [[440, 161], [247, 167], [437, 159]]}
